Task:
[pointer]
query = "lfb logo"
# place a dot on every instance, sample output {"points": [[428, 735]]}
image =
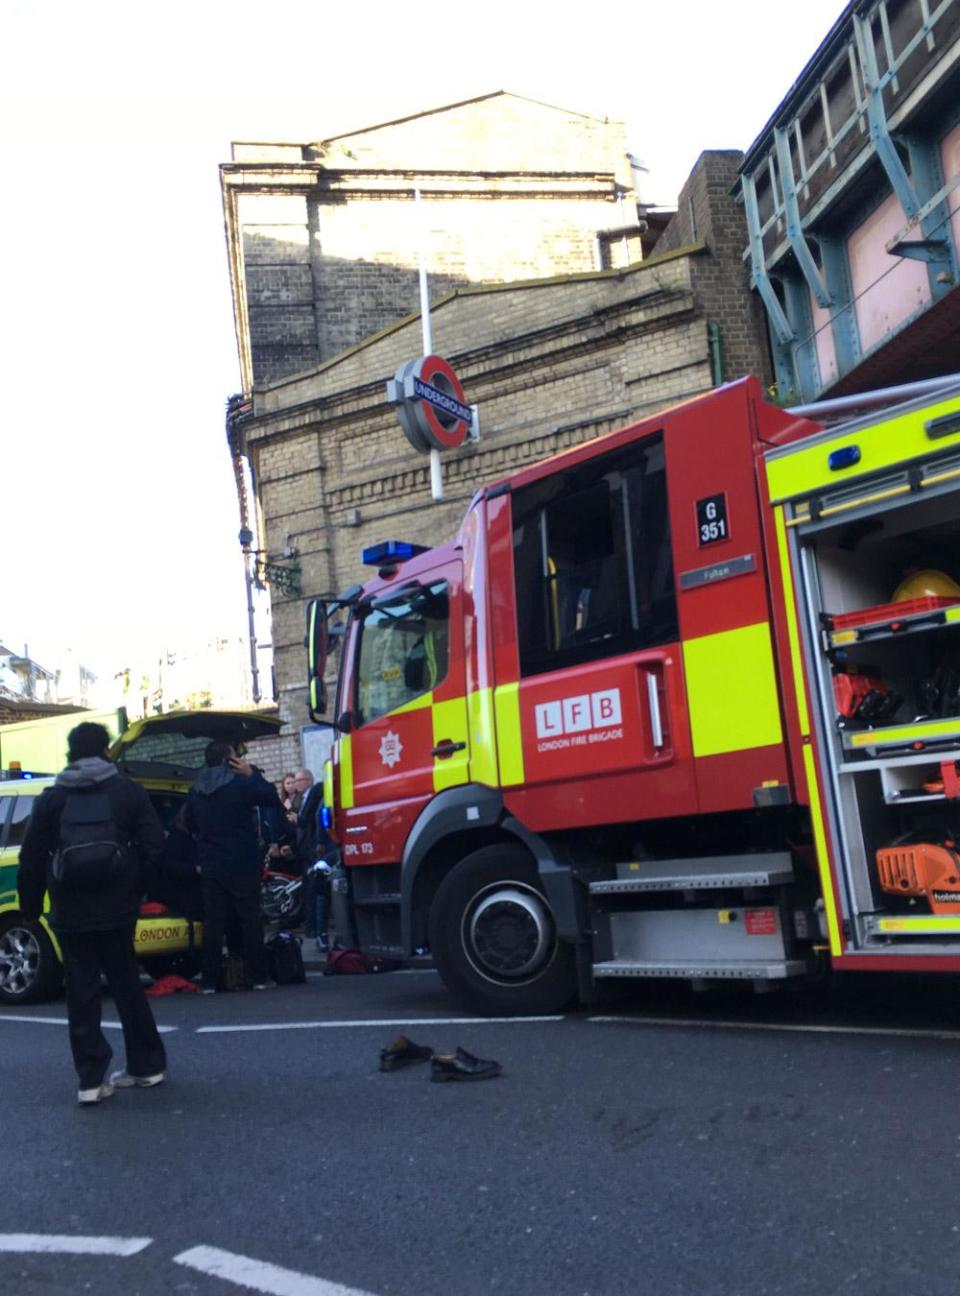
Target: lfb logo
{"points": [[578, 714]]}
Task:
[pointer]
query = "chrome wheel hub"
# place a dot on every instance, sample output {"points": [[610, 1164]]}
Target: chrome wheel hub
{"points": [[19, 960], [509, 932]]}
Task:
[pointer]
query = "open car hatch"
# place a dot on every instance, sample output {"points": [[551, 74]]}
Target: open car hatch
{"points": [[172, 746]]}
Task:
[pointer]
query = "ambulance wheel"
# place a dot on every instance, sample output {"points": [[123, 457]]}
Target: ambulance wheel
{"points": [[493, 937], [29, 968]]}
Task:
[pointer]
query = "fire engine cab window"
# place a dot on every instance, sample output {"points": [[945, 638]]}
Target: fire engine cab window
{"points": [[404, 648], [592, 560]]}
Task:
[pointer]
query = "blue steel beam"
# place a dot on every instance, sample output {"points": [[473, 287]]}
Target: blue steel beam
{"points": [[877, 118], [843, 318], [795, 234], [778, 321]]}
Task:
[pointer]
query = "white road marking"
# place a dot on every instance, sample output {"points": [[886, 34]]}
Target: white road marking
{"points": [[62, 1021], [65, 1244], [796, 1028], [258, 1275], [316, 976], [389, 1021]]}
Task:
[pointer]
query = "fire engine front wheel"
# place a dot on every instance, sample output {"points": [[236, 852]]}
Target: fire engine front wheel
{"points": [[493, 937]]}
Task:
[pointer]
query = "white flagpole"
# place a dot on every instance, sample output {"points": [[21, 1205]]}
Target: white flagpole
{"points": [[436, 471]]}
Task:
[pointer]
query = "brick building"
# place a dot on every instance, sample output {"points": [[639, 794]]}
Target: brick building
{"points": [[557, 323], [323, 238]]}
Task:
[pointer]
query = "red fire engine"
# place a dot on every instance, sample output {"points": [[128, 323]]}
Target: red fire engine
{"points": [[681, 702]]}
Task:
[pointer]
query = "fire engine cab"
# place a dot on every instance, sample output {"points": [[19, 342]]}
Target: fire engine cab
{"points": [[683, 701]]}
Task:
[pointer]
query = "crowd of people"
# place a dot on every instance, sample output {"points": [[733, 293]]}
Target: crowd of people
{"points": [[95, 844]]}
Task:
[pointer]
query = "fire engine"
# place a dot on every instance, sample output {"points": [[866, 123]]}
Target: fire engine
{"points": [[683, 701]]}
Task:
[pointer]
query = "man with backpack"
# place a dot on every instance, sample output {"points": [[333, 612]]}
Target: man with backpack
{"points": [[88, 842]]}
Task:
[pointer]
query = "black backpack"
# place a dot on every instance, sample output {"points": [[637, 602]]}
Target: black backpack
{"points": [[285, 959], [91, 854]]}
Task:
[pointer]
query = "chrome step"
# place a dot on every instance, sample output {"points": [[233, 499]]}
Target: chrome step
{"points": [[710, 872], [745, 970]]}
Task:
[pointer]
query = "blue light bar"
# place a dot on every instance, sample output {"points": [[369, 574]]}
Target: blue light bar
{"points": [[846, 457], [390, 551], [326, 817]]}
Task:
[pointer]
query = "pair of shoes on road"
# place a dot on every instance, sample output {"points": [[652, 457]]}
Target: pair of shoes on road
{"points": [[119, 1080], [443, 1066]]}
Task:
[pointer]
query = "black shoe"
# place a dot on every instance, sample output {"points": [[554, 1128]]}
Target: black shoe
{"points": [[402, 1052], [462, 1066]]}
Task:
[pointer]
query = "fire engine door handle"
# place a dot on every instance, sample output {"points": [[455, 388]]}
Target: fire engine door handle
{"points": [[653, 698], [446, 747]]}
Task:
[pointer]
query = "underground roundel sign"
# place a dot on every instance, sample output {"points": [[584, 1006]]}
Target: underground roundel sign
{"points": [[431, 405]]}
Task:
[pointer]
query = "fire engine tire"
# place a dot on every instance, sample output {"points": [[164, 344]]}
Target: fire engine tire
{"points": [[493, 937], [30, 971]]}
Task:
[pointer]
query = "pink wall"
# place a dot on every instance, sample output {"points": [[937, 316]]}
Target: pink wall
{"points": [[826, 351], [887, 289]]}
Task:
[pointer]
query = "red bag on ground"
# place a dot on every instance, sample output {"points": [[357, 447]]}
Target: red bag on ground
{"points": [[346, 962], [171, 984], [352, 962]]}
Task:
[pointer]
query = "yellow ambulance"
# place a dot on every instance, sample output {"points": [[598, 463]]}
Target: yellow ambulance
{"points": [[164, 754]]}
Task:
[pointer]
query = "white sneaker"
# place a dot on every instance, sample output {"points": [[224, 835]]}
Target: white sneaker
{"points": [[87, 1097], [263, 985], [123, 1080]]}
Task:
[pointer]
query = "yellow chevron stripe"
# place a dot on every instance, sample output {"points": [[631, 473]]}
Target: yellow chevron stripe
{"points": [[732, 690], [345, 758], [483, 737], [823, 857], [882, 445], [796, 661], [509, 737]]}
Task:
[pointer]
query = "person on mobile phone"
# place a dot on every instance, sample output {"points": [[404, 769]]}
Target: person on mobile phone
{"points": [[221, 809]]}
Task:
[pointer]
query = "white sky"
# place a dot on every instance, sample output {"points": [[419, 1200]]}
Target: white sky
{"points": [[118, 514]]}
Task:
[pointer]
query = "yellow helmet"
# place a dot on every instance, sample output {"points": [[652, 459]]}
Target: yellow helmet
{"points": [[926, 584]]}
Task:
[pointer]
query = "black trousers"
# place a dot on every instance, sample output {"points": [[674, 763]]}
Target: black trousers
{"points": [[316, 904], [234, 901], [85, 956]]}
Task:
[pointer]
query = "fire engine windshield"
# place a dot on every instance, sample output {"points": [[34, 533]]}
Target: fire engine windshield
{"points": [[404, 649]]}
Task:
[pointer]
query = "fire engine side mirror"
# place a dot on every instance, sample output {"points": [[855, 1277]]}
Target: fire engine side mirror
{"points": [[317, 642], [317, 698]]}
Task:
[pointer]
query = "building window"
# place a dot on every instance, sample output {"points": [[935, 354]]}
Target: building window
{"points": [[404, 649], [592, 560]]}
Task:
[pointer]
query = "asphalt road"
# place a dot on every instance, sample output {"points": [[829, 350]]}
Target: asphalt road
{"points": [[737, 1145]]}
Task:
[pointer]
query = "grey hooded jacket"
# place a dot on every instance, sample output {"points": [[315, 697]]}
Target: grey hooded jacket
{"points": [[112, 907]]}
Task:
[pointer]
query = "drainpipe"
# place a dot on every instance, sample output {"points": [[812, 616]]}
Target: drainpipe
{"points": [[237, 405], [715, 343]]}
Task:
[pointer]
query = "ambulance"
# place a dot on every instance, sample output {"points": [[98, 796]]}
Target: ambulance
{"points": [[163, 753]]}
